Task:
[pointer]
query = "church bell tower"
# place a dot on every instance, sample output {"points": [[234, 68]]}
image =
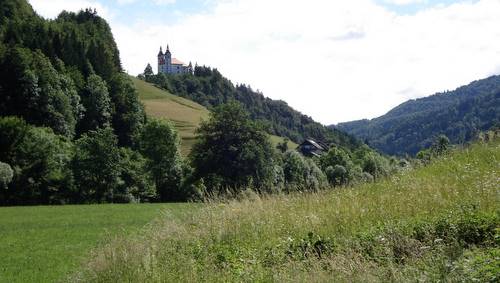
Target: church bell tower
{"points": [[161, 62], [168, 61]]}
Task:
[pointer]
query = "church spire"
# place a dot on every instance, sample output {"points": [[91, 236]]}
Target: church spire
{"points": [[168, 50], [161, 52]]}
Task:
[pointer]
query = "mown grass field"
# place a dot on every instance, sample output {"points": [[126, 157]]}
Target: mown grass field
{"points": [[45, 243], [436, 223], [185, 114]]}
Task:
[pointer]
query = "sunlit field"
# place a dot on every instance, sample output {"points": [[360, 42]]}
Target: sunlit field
{"points": [[45, 243]]}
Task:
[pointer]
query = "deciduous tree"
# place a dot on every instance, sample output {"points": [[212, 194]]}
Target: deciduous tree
{"points": [[231, 151]]}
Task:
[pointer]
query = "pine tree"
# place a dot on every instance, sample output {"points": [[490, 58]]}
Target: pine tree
{"points": [[148, 72]]}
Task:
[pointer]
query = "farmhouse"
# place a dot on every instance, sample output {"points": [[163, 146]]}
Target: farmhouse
{"points": [[311, 147], [169, 65]]}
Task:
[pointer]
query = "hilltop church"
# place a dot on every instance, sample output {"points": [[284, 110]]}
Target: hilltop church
{"points": [[169, 65]]}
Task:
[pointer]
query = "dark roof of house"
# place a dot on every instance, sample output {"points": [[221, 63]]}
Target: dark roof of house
{"points": [[317, 145]]}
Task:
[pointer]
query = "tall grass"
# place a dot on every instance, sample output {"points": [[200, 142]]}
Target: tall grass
{"points": [[414, 226]]}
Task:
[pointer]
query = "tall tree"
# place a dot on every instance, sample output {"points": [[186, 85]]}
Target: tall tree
{"points": [[148, 72], [159, 143], [231, 151], [96, 165], [97, 105], [129, 115]]}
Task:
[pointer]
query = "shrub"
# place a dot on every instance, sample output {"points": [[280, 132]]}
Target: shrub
{"points": [[312, 246], [136, 183], [39, 159], [337, 175], [6, 175]]}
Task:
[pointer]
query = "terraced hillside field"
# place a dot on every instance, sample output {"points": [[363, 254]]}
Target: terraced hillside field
{"points": [[185, 114]]}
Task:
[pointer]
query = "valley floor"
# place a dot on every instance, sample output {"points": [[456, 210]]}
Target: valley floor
{"points": [[437, 223]]}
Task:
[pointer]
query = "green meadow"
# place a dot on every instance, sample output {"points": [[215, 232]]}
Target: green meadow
{"points": [[437, 223], [185, 114], [45, 243]]}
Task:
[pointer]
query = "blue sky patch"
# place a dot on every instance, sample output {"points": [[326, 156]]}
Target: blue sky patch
{"points": [[416, 6], [157, 12]]}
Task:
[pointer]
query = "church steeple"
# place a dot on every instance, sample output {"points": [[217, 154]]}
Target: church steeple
{"points": [[161, 52], [168, 50]]}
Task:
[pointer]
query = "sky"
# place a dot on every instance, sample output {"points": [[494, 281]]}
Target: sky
{"points": [[335, 61]]}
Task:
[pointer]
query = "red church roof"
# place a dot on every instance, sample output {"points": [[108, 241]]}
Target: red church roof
{"points": [[176, 61]]}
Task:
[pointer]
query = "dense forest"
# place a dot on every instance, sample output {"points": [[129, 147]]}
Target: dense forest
{"points": [[208, 87], [412, 126], [73, 130], [70, 119]]}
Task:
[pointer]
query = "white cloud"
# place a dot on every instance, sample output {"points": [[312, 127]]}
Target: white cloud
{"points": [[52, 8], [333, 60]]}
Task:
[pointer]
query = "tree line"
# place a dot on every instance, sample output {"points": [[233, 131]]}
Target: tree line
{"points": [[232, 153]]}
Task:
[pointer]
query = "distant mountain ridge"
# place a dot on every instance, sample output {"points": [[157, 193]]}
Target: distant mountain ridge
{"points": [[412, 126]]}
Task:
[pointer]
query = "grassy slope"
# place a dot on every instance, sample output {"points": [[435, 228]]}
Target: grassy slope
{"points": [[43, 243], [185, 114], [432, 224]]}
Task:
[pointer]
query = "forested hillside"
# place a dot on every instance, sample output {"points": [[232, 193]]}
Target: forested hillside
{"points": [[413, 125], [64, 74], [209, 88], [70, 119]]}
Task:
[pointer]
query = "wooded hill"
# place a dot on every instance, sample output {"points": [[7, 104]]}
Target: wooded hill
{"points": [[45, 66], [413, 125], [185, 114], [210, 88]]}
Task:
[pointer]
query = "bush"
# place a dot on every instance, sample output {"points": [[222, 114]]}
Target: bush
{"points": [[302, 174], [39, 159], [6, 175], [294, 169], [337, 175], [478, 265], [136, 183]]}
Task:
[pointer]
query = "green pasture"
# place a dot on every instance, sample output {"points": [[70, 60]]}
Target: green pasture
{"points": [[45, 243]]}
